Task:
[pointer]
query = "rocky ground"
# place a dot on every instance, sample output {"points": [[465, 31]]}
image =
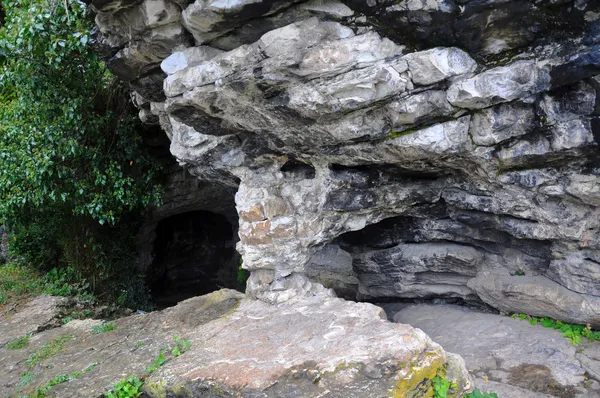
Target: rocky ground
{"points": [[509, 356], [242, 347], [237, 347]]}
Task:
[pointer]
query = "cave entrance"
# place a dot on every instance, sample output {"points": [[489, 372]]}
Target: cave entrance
{"points": [[194, 254]]}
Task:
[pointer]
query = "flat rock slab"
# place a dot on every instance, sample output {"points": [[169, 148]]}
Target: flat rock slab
{"points": [[27, 318], [241, 347], [512, 355]]}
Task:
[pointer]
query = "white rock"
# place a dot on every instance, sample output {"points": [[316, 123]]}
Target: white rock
{"points": [[437, 64], [502, 84], [493, 125], [187, 58]]}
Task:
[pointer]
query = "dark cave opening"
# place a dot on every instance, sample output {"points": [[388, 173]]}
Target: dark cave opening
{"points": [[194, 254]]}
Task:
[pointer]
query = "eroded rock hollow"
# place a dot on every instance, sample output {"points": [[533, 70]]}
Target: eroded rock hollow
{"points": [[386, 149]]}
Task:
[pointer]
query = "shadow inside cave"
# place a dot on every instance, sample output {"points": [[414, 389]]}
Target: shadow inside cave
{"points": [[194, 254]]}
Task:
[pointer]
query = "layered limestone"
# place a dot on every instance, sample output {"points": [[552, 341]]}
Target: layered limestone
{"points": [[385, 149]]}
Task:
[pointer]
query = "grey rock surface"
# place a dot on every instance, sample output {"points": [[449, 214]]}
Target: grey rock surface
{"points": [[20, 319], [386, 149], [508, 356], [242, 348]]}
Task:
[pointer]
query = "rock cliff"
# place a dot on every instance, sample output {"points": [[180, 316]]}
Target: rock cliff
{"points": [[381, 149]]}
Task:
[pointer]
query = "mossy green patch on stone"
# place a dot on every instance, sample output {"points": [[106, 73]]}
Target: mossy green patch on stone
{"points": [[397, 134], [181, 391], [416, 383], [156, 388]]}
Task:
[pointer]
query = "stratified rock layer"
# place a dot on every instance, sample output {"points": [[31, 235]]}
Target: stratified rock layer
{"points": [[385, 149]]}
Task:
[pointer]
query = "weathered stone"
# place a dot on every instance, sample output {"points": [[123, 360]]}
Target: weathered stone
{"points": [[417, 270], [187, 58], [20, 320], [327, 127], [243, 348], [260, 364], [502, 84], [419, 108], [253, 30], [500, 123], [536, 295], [133, 23], [432, 66], [112, 5], [208, 19], [579, 272], [441, 139], [130, 62], [501, 349]]}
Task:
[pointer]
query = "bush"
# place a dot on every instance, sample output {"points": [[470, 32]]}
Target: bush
{"points": [[75, 176]]}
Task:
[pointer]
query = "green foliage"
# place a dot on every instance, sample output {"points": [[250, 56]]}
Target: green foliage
{"points": [[140, 344], [26, 378], [19, 343], [78, 150], [129, 387], [181, 346], [242, 278], [75, 176], [132, 386], [47, 350], [61, 378], [441, 386], [481, 394], [159, 361], [90, 368], [18, 281], [103, 328], [573, 332]]}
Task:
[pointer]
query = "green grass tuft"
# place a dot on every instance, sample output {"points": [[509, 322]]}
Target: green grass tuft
{"points": [[48, 350], [104, 328], [19, 343]]}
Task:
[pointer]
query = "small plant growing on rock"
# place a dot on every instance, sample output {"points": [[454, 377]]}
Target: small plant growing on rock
{"points": [[19, 343], [481, 394], [25, 378], [48, 350], [104, 328], [571, 331], [181, 346], [132, 386], [159, 361], [129, 387], [441, 386]]}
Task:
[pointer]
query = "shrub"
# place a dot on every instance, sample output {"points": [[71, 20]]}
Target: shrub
{"points": [[75, 175]]}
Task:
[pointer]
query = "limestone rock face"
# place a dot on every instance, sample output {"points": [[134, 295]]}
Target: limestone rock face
{"points": [[384, 149]]}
